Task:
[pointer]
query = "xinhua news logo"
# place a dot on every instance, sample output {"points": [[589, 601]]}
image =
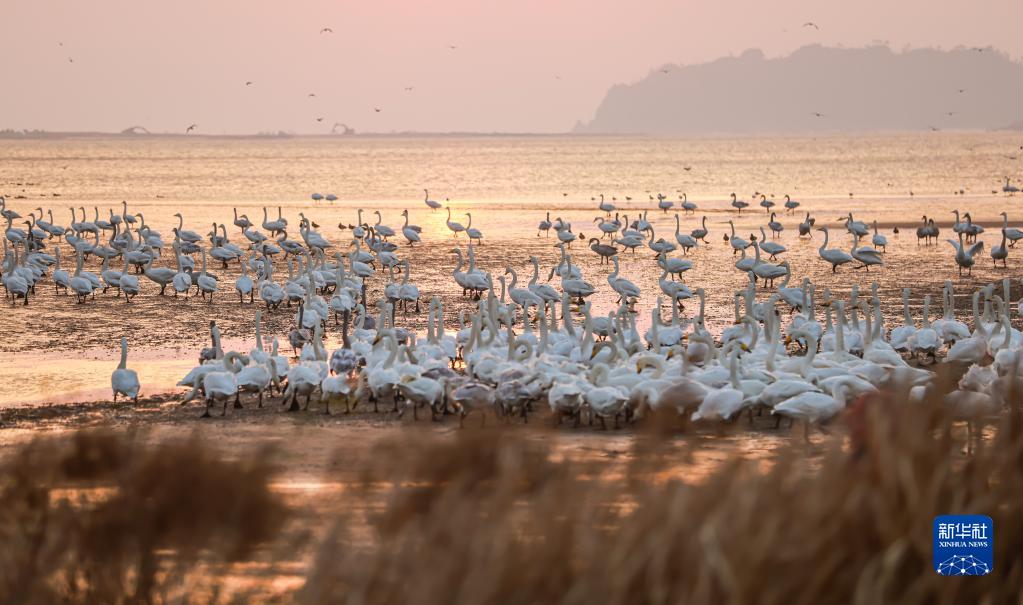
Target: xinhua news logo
{"points": [[964, 545]]}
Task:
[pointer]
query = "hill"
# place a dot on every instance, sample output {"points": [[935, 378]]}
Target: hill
{"points": [[862, 89]]}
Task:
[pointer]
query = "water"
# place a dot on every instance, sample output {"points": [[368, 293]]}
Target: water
{"points": [[59, 351]]}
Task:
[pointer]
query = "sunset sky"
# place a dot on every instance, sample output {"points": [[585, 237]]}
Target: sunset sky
{"points": [[519, 65]]}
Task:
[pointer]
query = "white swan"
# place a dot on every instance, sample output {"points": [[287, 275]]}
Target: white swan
{"points": [[123, 381]]}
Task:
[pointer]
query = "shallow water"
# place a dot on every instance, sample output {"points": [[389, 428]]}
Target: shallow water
{"points": [[57, 350]]}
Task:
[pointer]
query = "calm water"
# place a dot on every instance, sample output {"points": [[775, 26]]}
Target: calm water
{"points": [[58, 350]]}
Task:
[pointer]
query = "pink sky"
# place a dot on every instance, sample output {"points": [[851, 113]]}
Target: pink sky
{"points": [[167, 64]]}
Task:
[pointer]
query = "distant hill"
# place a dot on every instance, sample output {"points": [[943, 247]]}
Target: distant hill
{"points": [[864, 89]]}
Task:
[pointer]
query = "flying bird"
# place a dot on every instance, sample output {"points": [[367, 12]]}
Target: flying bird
{"points": [[687, 168], [248, 82], [812, 24], [326, 30], [818, 114], [453, 46], [962, 90], [409, 88], [951, 113], [934, 128], [312, 94], [319, 119], [70, 60], [191, 128], [376, 109]]}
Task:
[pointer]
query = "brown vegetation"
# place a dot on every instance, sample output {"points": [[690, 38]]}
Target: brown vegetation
{"points": [[488, 516]]}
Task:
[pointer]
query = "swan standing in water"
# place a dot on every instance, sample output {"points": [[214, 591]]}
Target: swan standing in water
{"points": [[432, 204], [738, 204], [123, 381]]}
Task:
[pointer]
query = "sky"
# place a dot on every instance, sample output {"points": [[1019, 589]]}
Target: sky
{"points": [[517, 66]]}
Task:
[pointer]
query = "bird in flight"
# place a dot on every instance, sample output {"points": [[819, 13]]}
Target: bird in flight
{"points": [[312, 94], [326, 30], [319, 119], [191, 128], [812, 24], [687, 168], [70, 60], [962, 90], [934, 128], [60, 44], [248, 82], [818, 114], [376, 109], [951, 113], [453, 46], [409, 88]]}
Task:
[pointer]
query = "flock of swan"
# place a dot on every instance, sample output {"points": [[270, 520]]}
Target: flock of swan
{"points": [[535, 343]]}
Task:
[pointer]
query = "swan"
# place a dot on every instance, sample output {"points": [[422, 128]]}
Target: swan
{"points": [[856, 228], [220, 383], [687, 206], [964, 256], [878, 240], [664, 203], [700, 233], [1000, 252], [723, 403], [738, 204], [902, 336], [474, 234], [674, 266], [975, 348], [60, 276], [806, 227], [767, 271], [80, 282], [123, 381], [790, 204], [432, 204], [771, 248], [866, 256], [244, 284], [128, 284], [274, 227], [833, 255], [814, 406], [205, 283], [607, 207], [736, 242], [188, 236], [766, 204], [926, 340], [1011, 233], [455, 228], [626, 289], [547, 293], [545, 226], [685, 241]]}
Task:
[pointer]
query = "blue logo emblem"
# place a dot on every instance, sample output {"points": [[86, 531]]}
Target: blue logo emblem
{"points": [[964, 545]]}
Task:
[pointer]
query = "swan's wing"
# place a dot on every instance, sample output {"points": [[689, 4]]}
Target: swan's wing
{"points": [[976, 248]]}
